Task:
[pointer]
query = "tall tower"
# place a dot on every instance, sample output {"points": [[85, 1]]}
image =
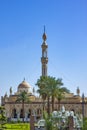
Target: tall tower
{"points": [[44, 58]]}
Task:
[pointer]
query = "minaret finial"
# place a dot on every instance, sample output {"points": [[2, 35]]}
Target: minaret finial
{"points": [[44, 28], [44, 35], [78, 91], [24, 79]]}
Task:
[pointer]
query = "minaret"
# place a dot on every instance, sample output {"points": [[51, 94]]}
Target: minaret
{"points": [[78, 91], [44, 58]]}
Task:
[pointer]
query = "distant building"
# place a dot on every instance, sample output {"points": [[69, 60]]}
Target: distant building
{"points": [[13, 109]]}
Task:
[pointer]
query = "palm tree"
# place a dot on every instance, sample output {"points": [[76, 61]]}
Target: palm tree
{"points": [[47, 92], [23, 97], [53, 85], [44, 95], [41, 83], [60, 95], [48, 87]]}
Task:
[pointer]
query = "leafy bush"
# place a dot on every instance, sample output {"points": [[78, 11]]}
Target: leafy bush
{"points": [[3, 119], [50, 122], [84, 124], [18, 121]]}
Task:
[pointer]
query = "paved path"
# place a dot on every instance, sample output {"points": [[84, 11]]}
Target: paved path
{"points": [[36, 128]]}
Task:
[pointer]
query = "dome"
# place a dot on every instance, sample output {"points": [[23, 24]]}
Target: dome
{"points": [[24, 84]]}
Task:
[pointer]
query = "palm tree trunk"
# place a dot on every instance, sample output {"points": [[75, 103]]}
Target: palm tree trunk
{"points": [[52, 103], [43, 105], [48, 105], [23, 109], [59, 105]]}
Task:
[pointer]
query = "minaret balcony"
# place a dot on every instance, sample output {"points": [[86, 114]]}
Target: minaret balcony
{"points": [[44, 60]]}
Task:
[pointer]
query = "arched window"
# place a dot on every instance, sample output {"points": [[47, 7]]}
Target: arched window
{"points": [[29, 113], [21, 113], [14, 113]]}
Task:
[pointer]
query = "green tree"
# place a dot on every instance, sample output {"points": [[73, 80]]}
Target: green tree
{"points": [[50, 123], [60, 94], [48, 95], [52, 87], [23, 97], [43, 95], [2, 116], [84, 124], [48, 87], [41, 83]]}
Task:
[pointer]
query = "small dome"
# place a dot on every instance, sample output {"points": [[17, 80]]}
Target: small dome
{"points": [[24, 84]]}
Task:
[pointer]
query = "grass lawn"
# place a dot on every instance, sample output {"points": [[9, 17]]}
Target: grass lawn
{"points": [[17, 126]]}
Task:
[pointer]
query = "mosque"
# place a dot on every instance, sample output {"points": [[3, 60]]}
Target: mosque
{"points": [[13, 109]]}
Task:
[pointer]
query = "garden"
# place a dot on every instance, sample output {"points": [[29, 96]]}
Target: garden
{"points": [[16, 126]]}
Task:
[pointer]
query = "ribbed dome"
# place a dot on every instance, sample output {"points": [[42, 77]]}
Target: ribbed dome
{"points": [[24, 84]]}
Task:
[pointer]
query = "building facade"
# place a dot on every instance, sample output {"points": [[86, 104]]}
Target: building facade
{"points": [[13, 109]]}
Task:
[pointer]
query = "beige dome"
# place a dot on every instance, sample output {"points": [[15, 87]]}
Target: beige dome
{"points": [[24, 84]]}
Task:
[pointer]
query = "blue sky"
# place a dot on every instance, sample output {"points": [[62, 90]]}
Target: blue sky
{"points": [[21, 29]]}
